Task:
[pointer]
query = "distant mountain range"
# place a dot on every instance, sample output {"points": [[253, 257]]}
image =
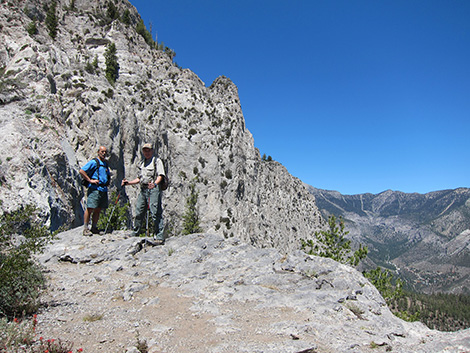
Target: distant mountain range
{"points": [[424, 238]]}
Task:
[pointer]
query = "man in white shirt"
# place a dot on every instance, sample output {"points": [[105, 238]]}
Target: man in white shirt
{"points": [[150, 178]]}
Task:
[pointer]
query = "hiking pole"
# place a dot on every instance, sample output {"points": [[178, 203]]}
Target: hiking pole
{"points": [[148, 214], [115, 203]]}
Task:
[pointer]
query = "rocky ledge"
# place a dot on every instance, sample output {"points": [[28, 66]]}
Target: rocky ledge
{"points": [[205, 293]]}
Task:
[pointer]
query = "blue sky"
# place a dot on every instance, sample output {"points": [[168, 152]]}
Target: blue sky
{"points": [[354, 96]]}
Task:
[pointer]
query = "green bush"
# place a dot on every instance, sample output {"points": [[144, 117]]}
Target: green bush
{"points": [[112, 12], [20, 336], [142, 30], [126, 17], [89, 68], [383, 281], [51, 20], [20, 284], [117, 218], [333, 244], [191, 216], [32, 28], [21, 280], [112, 66], [92, 67]]}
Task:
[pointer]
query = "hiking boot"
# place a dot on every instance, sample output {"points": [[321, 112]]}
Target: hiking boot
{"points": [[87, 232], [159, 241], [95, 230]]}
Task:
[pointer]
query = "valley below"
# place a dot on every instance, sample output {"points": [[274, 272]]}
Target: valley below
{"points": [[423, 239]]}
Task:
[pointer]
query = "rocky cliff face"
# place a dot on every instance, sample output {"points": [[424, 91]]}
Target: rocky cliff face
{"points": [[57, 108], [426, 237]]}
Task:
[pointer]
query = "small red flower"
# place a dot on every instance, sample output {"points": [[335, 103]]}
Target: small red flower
{"points": [[15, 319], [80, 349], [41, 338]]}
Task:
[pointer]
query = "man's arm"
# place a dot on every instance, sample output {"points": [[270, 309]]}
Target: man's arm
{"points": [[158, 180], [87, 178], [132, 182]]}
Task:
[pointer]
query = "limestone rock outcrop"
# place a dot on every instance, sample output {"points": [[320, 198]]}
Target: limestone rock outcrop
{"points": [[57, 108], [204, 293]]}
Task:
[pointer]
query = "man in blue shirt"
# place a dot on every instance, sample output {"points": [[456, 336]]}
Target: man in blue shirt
{"points": [[96, 173]]}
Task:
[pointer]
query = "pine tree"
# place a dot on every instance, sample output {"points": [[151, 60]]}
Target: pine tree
{"points": [[51, 20], [112, 11], [112, 66], [191, 216], [333, 244], [126, 17]]}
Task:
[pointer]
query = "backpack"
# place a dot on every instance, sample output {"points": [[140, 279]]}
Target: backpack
{"points": [[90, 173], [164, 183]]}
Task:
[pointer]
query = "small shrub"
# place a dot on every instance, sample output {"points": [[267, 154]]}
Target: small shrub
{"points": [[112, 66], [21, 280], [95, 63], [191, 216], [89, 68], [51, 20], [126, 17], [356, 310], [92, 317], [142, 30], [112, 12], [109, 93], [16, 332], [32, 29], [20, 336], [141, 344], [383, 281], [118, 218]]}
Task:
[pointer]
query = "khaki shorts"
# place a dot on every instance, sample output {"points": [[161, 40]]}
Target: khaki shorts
{"points": [[96, 199]]}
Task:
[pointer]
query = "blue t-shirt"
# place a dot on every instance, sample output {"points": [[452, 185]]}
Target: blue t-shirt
{"points": [[101, 173]]}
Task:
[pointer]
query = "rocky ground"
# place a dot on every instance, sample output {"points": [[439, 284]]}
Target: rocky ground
{"points": [[204, 293]]}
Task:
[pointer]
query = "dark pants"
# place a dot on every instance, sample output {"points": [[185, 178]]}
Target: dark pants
{"points": [[154, 196]]}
